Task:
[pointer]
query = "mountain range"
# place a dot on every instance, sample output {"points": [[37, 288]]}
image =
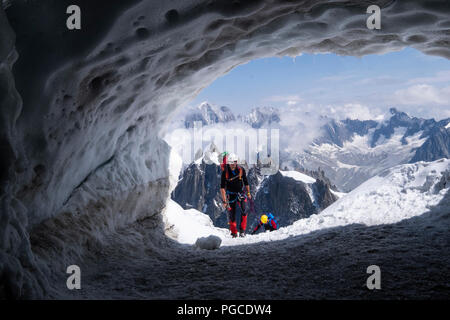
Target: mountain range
{"points": [[349, 151], [352, 151]]}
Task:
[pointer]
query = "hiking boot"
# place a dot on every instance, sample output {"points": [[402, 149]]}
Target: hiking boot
{"points": [[234, 235], [242, 234]]}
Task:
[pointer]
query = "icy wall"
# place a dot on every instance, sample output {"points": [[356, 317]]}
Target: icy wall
{"points": [[82, 155]]}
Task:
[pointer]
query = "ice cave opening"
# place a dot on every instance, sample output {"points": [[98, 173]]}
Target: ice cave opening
{"points": [[85, 172]]}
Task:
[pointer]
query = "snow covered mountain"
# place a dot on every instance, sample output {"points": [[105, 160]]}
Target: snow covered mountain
{"points": [[261, 116], [208, 114], [349, 151], [352, 151]]}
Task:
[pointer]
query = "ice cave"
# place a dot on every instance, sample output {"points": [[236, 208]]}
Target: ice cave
{"points": [[85, 173]]}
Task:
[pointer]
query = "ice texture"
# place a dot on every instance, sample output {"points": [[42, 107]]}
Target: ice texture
{"points": [[82, 114]]}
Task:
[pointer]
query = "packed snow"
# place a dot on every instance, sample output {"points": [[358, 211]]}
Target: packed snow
{"points": [[338, 194], [298, 176], [186, 226]]}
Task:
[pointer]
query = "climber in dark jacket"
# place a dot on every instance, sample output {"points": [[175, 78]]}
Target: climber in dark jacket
{"points": [[268, 221], [232, 184]]}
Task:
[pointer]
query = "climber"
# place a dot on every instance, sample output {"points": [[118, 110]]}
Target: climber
{"points": [[268, 221], [232, 184]]}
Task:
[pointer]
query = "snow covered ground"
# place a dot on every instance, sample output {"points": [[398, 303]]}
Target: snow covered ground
{"points": [[298, 176], [398, 220], [331, 263], [338, 194], [396, 194]]}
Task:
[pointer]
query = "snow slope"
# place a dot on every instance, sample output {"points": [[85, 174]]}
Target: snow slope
{"points": [[396, 194], [298, 176]]}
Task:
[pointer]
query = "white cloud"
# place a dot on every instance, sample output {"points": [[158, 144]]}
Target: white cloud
{"points": [[438, 112], [386, 80], [290, 100], [302, 123], [422, 94], [354, 111], [440, 77], [340, 77], [299, 127], [337, 111]]}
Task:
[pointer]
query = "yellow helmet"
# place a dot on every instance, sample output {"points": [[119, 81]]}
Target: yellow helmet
{"points": [[264, 219]]}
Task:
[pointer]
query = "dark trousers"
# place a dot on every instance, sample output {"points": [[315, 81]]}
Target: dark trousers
{"points": [[234, 203]]}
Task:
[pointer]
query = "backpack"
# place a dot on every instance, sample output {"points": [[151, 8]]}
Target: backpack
{"points": [[272, 218], [227, 174], [224, 160], [226, 167]]}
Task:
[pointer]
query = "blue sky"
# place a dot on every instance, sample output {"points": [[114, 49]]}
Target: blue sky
{"points": [[347, 86]]}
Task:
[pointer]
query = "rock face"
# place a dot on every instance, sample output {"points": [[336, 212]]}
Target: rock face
{"points": [[198, 188], [81, 153], [290, 200], [437, 146]]}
